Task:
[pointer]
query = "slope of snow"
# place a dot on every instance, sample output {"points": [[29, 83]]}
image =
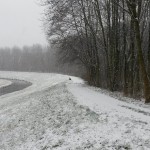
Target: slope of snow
{"points": [[124, 125], [56, 113]]}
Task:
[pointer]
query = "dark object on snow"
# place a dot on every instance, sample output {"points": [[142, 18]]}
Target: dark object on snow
{"points": [[69, 78]]}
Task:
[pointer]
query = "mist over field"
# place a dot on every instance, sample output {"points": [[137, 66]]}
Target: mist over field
{"points": [[23, 43]]}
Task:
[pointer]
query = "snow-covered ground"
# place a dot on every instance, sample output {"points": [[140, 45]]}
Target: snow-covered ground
{"points": [[57, 114]]}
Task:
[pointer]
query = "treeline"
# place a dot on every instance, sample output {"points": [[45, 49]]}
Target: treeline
{"points": [[35, 58], [110, 37]]}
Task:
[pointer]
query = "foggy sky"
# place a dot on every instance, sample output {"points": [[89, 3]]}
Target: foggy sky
{"points": [[20, 23]]}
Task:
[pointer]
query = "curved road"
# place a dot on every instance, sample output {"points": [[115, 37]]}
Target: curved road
{"points": [[16, 85]]}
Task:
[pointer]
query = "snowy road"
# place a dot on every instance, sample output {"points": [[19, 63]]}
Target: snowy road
{"points": [[4, 83], [15, 85], [57, 114]]}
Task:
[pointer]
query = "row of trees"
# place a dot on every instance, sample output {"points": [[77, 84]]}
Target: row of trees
{"points": [[111, 38], [34, 59]]}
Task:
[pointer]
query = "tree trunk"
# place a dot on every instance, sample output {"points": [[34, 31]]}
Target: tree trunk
{"points": [[141, 62], [135, 15]]}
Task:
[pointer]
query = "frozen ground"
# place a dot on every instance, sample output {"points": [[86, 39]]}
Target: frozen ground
{"points": [[57, 114]]}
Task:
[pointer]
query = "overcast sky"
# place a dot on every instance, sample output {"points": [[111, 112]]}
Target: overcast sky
{"points": [[20, 23]]}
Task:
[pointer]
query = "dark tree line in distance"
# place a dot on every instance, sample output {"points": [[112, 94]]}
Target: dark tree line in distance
{"points": [[36, 58]]}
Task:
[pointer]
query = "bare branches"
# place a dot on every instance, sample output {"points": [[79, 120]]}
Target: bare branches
{"points": [[102, 34]]}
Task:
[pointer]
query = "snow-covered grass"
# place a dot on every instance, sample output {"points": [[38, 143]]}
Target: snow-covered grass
{"points": [[126, 124], [57, 114], [121, 97]]}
